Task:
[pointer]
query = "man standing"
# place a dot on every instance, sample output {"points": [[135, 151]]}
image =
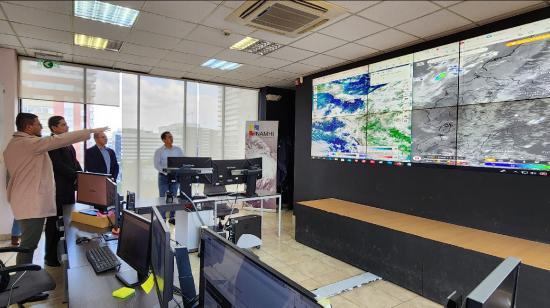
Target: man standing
{"points": [[65, 166], [166, 182], [31, 186], [100, 158]]}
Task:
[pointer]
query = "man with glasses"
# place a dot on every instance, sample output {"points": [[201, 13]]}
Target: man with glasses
{"points": [[31, 187]]}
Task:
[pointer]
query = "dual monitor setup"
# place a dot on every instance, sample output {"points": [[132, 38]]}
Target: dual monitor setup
{"points": [[214, 174], [497, 290]]}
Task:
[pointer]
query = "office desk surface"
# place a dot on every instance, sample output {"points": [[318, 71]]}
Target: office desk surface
{"points": [[85, 287], [499, 245]]}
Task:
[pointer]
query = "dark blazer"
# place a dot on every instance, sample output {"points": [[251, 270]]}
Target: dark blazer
{"points": [[94, 162], [65, 166]]}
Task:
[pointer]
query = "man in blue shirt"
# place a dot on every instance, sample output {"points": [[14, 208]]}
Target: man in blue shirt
{"points": [[100, 158], [166, 182]]}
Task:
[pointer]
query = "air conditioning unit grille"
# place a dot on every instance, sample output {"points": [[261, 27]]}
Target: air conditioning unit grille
{"points": [[284, 18]]}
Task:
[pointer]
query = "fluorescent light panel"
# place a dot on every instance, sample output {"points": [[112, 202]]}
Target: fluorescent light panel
{"points": [[245, 42], [105, 12], [96, 42], [256, 46], [220, 64]]}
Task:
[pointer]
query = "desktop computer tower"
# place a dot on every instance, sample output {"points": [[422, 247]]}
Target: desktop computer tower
{"points": [[246, 231]]}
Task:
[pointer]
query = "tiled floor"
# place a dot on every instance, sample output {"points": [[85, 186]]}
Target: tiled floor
{"points": [[306, 266]]}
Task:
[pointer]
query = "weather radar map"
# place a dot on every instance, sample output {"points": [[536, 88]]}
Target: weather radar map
{"points": [[483, 102]]}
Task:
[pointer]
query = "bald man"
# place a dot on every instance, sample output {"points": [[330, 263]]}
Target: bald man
{"points": [[100, 158]]}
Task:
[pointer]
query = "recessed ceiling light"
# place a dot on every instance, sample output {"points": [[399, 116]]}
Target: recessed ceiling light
{"points": [[256, 46], [96, 42], [220, 64], [105, 12]]}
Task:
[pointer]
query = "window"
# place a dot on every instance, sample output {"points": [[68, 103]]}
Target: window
{"points": [[60, 83], [241, 105]]}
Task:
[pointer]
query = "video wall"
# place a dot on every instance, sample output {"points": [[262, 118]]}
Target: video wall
{"points": [[483, 102]]}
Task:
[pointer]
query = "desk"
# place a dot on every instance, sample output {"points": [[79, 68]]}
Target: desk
{"points": [[85, 287], [233, 198]]}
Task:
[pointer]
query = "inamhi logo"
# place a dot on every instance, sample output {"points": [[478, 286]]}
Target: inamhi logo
{"points": [[254, 130]]}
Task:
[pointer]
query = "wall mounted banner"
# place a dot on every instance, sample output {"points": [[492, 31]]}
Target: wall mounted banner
{"points": [[261, 141]]}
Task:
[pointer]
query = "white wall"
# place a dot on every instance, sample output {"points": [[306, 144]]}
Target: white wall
{"points": [[8, 110]]}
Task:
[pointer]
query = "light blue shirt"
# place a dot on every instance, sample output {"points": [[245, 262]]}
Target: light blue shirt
{"points": [[162, 154], [106, 158]]}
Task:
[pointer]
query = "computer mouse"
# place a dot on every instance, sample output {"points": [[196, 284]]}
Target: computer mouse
{"points": [[82, 239]]}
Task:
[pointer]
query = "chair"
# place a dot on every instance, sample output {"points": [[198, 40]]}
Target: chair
{"points": [[25, 282]]}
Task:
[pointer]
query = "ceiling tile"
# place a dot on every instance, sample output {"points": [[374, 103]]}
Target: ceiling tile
{"points": [[237, 56], [480, 10], [266, 80], [280, 74], [132, 67], [163, 25], [217, 20], [235, 74], [354, 6], [46, 45], [198, 48], [129, 48], [193, 11], [299, 68], [386, 39], [185, 58], [270, 62], [232, 3], [291, 54], [446, 3], [392, 13], [95, 53], [175, 66], [61, 7], [273, 37], [133, 59], [166, 72], [352, 28], [322, 61], [11, 40], [100, 29], [213, 36], [5, 27], [152, 39], [196, 76], [93, 61], [37, 17], [136, 5], [283, 84], [252, 70], [435, 23], [350, 51], [318, 42], [43, 33]]}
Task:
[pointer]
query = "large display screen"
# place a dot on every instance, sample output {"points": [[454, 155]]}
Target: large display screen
{"points": [[483, 102]]}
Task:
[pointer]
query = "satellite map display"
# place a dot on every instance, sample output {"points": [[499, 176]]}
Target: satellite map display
{"points": [[504, 132], [481, 102], [339, 137], [389, 136], [434, 135], [435, 77]]}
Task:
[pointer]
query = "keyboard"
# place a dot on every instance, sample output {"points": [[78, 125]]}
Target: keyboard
{"points": [[102, 259], [217, 193]]}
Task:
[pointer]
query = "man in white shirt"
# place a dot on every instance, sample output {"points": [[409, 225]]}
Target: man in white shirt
{"points": [[166, 182]]}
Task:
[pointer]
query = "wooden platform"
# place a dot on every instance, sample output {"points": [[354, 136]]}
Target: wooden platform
{"points": [[532, 253]]}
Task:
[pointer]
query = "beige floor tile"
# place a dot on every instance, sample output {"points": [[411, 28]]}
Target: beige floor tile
{"points": [[394, 290], [419, 302], [341, 302], [311, 284], [368, 296], [332, 277]]}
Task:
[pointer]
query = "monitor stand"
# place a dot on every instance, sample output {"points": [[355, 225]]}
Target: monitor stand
{"points": [[130, 278]]}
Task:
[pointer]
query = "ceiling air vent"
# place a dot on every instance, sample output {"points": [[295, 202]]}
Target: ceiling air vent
{"points": [[290, 18]]}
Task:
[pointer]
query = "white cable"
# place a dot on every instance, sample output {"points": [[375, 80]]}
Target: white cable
{"points": [[11, 288]]}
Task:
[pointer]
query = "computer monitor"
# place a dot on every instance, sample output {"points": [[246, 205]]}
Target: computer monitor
{"points": [[96, 189], [222, 170], [162, 258], [498, 289], [255, 164], [232, 277], [191, 170], [134, 248]]}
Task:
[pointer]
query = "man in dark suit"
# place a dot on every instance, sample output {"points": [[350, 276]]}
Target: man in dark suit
{"points": [[65, 166], [100, 158]]}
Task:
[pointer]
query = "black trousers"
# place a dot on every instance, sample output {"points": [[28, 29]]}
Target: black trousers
{"points": [[52, 235]]}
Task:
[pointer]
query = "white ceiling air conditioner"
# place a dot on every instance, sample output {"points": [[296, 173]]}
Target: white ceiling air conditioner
{"points": [[290, 18]]}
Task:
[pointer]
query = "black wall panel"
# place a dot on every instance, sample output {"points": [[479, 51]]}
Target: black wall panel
{"points": [[509, 204]]}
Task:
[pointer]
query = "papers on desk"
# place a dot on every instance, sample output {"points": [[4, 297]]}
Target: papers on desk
{"points": [[147, 286]]}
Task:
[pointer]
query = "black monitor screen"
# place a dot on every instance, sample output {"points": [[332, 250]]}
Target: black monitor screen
{"points": [[230, 277], [223, 168], [133, 242], [162, 258], [498, 289]]}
